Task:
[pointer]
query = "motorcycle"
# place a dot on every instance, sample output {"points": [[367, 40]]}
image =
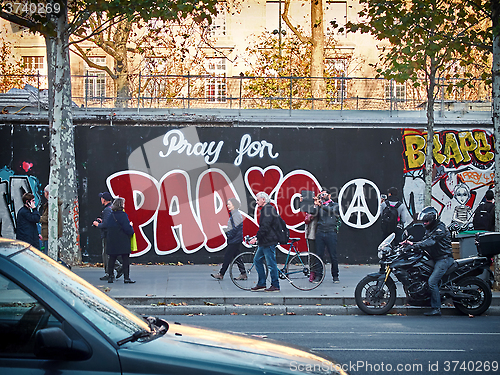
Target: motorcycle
{"points": [[463, 282]]}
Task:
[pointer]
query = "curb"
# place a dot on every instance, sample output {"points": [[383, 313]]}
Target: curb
{"points": [[254, 299], [271, 309]]}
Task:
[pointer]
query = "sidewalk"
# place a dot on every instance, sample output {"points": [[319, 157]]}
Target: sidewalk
{"points": [[189, 289]]}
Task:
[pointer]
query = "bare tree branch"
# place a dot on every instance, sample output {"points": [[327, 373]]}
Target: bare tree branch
{"points": [[296, 31], [79, 52]]}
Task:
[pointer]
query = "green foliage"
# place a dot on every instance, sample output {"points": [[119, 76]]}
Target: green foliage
{"points": [[35, 14], [277, 69], [429, 39]]}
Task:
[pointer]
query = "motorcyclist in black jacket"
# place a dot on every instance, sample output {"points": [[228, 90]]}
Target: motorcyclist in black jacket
{"points": [[437, 242]]}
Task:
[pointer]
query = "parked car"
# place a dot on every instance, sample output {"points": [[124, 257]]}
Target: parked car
{"points": [[54, 322]]}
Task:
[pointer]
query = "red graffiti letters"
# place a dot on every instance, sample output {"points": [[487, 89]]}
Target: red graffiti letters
{"points": [[187, 219]]}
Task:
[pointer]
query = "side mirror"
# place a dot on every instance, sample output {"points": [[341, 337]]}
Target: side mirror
{"points": [[54, 343]]}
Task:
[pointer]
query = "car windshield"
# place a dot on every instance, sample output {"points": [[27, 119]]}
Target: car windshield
{"points": [[107, 315]]}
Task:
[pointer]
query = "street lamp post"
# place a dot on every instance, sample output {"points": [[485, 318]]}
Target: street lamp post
{"points": [[279, 33]]}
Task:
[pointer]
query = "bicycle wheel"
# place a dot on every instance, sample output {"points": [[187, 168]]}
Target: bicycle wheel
{"points": [[299, 268], [242, 266]]}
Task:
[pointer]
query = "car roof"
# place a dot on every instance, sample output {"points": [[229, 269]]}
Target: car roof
{"points": [[9, 247]]}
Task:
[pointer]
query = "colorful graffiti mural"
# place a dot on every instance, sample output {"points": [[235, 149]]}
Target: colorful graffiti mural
{"points": [[463, 172], [176, 179]]}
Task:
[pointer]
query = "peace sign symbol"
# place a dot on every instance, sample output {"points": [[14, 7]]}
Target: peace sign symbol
{"points": [[358, 207]]}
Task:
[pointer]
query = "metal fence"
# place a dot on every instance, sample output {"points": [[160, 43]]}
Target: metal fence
{"points": [[241, 92]]}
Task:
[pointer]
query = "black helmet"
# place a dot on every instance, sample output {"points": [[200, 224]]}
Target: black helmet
{"points": [[430, 215]]}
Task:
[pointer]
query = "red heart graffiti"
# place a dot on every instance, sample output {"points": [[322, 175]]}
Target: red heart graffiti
{"points": [[258, 180], [27, 166]]}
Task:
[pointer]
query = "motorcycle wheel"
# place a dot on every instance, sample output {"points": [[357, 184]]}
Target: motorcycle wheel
{"points": [[480, 296], [373, 304]]}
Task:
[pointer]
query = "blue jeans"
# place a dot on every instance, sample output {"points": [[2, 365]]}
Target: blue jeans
{"points": [[440, 269], [268, 252], [328, 240]]}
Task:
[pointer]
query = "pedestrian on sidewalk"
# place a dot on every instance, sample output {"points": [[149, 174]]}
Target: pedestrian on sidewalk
{"points": [[311, 223], [27, 219], [119, 233], [484, 216], [394, 215], [327, 212], [234, 235], [267, 240], [106, 201]]}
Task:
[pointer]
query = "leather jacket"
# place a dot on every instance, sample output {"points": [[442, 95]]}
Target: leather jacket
{"points": [[266, 234], [327, 217], [437, 241]]}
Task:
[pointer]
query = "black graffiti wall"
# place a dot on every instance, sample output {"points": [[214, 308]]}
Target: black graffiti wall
{"points": [[176, 180]]}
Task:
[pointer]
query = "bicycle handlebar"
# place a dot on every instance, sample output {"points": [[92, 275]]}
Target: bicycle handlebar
{"points": [[291, 241]]}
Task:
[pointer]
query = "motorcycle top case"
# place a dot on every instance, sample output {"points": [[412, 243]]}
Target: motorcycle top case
{"points": [[488, 244]]}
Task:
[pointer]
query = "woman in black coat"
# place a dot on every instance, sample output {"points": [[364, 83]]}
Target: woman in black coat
{"points": [[27, 219], [234, 235], [118, 239]]}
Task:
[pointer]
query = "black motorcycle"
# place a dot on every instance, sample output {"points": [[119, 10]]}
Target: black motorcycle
{"points": [[464, 282]]}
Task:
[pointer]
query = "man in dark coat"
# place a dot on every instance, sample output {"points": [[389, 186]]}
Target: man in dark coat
{"points": [[327, 212], [106, 200], [484, 216], [268, 240], [27, 218], [119, 232]]}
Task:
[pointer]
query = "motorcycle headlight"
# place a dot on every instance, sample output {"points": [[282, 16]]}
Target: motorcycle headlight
{"points": [[383, 252]]}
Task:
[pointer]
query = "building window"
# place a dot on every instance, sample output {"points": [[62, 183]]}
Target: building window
{"points": [[154, 69], [215, 87], [395, 90], [337, 88], [33, 62], [335, 13], [95, 80], [218, 26], [273, 15]]}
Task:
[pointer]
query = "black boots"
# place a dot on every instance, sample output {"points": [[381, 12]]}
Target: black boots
{"points": [[433, 312]]}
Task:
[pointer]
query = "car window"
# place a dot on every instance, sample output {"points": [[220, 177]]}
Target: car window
{"points": [[107, 315], [21, 317]]}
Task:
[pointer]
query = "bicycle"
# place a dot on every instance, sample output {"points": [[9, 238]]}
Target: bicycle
{"points": [[296, 269]]}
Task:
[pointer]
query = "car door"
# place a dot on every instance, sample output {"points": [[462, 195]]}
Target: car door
{"points": [[31, 313]]}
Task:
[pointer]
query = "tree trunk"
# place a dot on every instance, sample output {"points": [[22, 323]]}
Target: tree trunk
{"points": [[62, 178], [121, 80], [495, 14], [318, 85], [429, 159]]}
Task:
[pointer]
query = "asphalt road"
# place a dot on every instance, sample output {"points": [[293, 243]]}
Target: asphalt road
{"points": [[379, 344]]}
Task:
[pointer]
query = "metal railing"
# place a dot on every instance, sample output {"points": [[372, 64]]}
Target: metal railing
{"points": [[241, 92]]}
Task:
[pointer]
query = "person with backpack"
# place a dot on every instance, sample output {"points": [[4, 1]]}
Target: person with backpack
{"points": [[267, 239], [484, 216], [327, 212], [393, 215]]}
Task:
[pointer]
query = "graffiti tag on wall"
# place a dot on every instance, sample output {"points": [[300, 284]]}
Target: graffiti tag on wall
{"points": [[12, 188], [463, 172]]}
